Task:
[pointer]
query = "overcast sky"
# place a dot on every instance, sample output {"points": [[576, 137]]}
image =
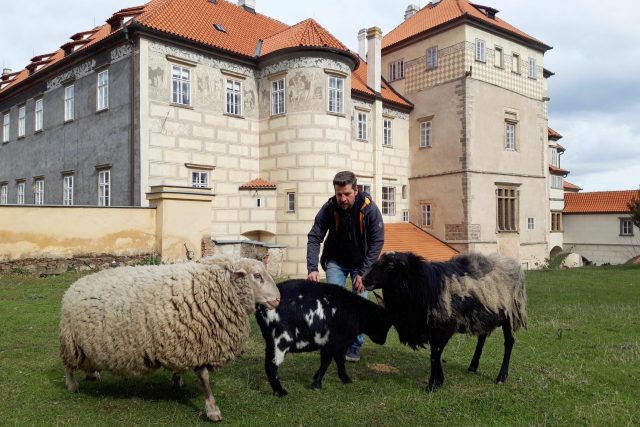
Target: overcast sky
{"points": [[595, 94]]}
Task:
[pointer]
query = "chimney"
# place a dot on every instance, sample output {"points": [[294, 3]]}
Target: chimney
{"points": [[362, 44], [6, 71], [374, 63], [412, 9], [248, 5]]}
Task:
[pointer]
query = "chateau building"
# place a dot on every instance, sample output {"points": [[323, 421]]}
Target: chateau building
{"points": [[443, 120]]}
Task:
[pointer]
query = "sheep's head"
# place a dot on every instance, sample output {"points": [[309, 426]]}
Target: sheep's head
{"points": [[387, 270], [263, 287]]}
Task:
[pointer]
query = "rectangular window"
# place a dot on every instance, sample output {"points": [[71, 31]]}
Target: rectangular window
{"points": [[20, 193], [532, 68], [277, 97], [69, 105], [364, 187], [234, 97], [199, 179], [557, 182], [39, 115], [480, 50], [388, 201], [104, 187], [510, 136], [432, 57], [38, 191], [180, 85], [425, 134], [507, 208], [362, 125], [4, 194], [336, 95], [291, 202], [531, 223], [426, 215], [103, 90], [405, 216], [67, 190], [556, 221], [259, 202], [396, 70], [555, 158], [386, 132], [515, 63], [6, 121], [626, 227], [499, 57], [22, 121]]}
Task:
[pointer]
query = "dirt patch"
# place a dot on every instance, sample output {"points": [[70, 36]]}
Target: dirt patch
{"points": [[382, 368]]}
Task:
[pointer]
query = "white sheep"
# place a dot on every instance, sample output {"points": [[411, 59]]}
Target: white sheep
{"points": [[134, 320]]}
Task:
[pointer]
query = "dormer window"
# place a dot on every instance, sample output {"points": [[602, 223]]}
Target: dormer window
{"points": [[219, 27]]}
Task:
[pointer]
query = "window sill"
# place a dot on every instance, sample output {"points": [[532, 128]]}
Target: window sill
{"points": [[507, 231], [235, 116], [625, 235], [362, 140], [188, 107], [331, 113], [38, 131], [395, 80], [431, 68], [21, 137], [5, 142], [426, 147], [102, 111], [275, 116], [67, 121], [387, 146]]}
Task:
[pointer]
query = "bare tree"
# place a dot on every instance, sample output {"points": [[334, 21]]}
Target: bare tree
{"points": [[634, 209]]}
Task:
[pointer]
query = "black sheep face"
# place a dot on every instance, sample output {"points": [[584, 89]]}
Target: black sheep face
{"points": [[389, 269]]}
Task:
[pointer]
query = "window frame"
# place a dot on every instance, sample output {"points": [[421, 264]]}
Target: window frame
{"points": [[291, 201], [364, 188], [405, 215], [38, 123], [335, 94], [388, 200], [278, 99], [507, 209], [69, 103], [432, 58], [233, 89], [396, 70], [531, 65], [102, 91], [22, 121], [515, 63], [387, 132], [426, 134], [510, 144], [20, 192], [67, 190], [531, 224], [196, 178], [362, 122], [626, 227], [426, 214], [480, 50], [104, 187], [4, 193], [556, 222], [498, 60], [6, 127], [38, 191], [181, 86]]}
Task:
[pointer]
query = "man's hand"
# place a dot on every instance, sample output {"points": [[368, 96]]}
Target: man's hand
{"points": [[314, 276], [358, 285]]}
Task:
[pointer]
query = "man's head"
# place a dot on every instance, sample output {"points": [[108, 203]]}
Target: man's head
{"points": [[345, 186]]}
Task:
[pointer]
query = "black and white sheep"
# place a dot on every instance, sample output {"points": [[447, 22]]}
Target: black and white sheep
{"points": [[134, 320], [312, 317], [430, 301]]}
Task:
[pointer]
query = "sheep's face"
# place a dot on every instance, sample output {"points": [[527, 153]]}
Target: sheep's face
{"points": [[389, 269], [264, 289]]}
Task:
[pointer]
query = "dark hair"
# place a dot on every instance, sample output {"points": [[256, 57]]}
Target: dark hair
{"points": [[344, 178]]}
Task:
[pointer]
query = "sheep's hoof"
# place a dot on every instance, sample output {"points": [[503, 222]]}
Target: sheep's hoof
{"points": [[213, 412], [346, 380], [92, 376], [280, 393], [72, 385], [433, 387], [316, 386], [501, 379]]}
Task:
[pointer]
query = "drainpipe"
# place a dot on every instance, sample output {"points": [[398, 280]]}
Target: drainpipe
{"points": [[132, 130]]}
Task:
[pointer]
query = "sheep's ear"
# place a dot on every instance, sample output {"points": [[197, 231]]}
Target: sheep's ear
{"points": [[240, 272]]}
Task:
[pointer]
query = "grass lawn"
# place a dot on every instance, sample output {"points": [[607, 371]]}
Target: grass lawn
{"points": [[578, 364]]}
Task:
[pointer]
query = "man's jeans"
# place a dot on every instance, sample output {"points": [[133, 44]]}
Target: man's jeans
{"points": [[337, 275]]}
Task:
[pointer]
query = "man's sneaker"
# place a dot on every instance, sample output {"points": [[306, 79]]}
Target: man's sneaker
{"points": [[353, 355]]}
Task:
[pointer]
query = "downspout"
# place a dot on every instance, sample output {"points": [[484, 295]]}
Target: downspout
{"points": [[132, 130]]}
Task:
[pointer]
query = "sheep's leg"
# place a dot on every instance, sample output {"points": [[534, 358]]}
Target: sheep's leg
{"points": [[70, 380], [342, 370], [92, 376], [271, 369], [473, 367], [213, 412], [436, 377], [509, 340], [176, 379], [325, 361]]}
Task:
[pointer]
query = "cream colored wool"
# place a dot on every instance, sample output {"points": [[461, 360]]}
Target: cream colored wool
{"points": [[133, 320]]}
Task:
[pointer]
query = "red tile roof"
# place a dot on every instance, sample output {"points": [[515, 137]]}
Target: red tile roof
{"points": [[570, 187], [307, 33], [553, 135], [405, 237], [448, 11], [599, 202], [258, 184], [557, 171], [359, 79]]}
